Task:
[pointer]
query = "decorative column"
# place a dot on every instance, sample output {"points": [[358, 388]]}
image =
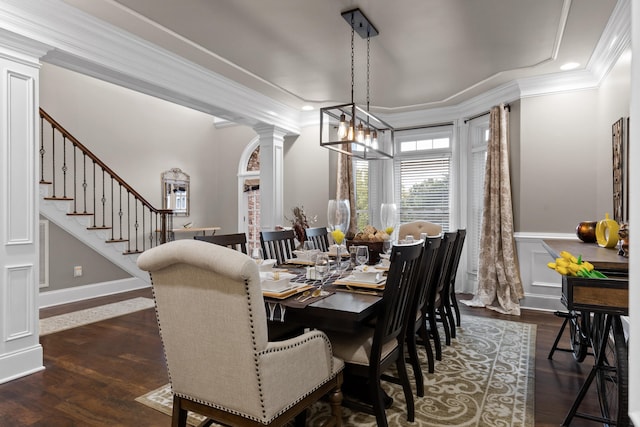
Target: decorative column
{"points": [[20, 349], [271, 175]]}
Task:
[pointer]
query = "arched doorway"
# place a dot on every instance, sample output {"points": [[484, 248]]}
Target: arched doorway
{"points": [[249, 193]]}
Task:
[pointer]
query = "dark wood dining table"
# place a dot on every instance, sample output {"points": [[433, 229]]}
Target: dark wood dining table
{"points": [[341, 311]]}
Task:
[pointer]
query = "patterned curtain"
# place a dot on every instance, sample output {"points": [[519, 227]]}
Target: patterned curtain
{"points": [[498, 274], [345, 187]]}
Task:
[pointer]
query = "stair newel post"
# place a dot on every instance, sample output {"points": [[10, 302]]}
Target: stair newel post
{"points": [[166, 221]]}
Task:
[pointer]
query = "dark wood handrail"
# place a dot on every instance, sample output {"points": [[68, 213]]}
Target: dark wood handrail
{"points": [[100, 163], [130, 226]]}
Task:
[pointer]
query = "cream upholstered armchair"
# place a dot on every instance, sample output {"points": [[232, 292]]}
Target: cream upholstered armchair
{"points": [[213, 326], [415, 228]]}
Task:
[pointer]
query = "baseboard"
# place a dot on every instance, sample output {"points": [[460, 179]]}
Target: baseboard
{"points": [[80, 293], [20, 363]]}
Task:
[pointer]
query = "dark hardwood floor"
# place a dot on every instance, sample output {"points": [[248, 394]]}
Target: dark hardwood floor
{"points": [[93, 373]]}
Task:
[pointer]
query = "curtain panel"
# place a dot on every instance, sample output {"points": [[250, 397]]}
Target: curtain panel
{"points": [[499, 284]]}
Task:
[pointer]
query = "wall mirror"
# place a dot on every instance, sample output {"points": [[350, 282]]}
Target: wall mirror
{"points": [[175, 191]]}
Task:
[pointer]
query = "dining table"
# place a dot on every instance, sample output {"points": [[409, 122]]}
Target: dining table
{"points": [[337, 308]]}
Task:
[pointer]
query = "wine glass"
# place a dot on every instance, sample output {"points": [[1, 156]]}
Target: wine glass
{"points": [[257, 255], [362, 255], [308, 245], [388, 217]]}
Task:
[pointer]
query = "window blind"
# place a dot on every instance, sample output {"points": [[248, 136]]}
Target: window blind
{"points": [[361, 177], [423, 186]]}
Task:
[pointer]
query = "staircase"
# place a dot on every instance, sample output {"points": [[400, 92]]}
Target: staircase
{"points": [[84, 197]]}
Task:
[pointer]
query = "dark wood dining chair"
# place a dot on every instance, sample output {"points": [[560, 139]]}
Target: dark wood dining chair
{"points": [[452, 303], [370, 353], [424, 283], [278, 245], [434, 309], [319, 236], [237, 241]]}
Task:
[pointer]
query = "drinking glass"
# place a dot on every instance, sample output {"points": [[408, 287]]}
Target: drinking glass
{"points": [[322, 266], [352, 256], [386, 246], [362, 255], [257, 255], [308, 245]]}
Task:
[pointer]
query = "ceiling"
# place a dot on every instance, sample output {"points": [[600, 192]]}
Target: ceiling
{"points": [[429, 53]]}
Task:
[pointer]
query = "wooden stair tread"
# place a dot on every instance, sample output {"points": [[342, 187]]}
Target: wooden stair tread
{"points": [[58, 198], [99, 228], [80, 214], [116, 240], [132, 252]]}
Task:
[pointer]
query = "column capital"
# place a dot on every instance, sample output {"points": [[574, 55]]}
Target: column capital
{"points": [[266, 131]]}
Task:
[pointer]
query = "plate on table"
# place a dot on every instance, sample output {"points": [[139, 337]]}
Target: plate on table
{"points": [[298, 261], [306, 255], [352, 281], [367, 273], [267, 264], [275, 281], [294, 289]]}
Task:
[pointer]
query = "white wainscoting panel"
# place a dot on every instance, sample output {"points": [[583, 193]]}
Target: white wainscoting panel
{"points": [[542, 286], [18, 310]]}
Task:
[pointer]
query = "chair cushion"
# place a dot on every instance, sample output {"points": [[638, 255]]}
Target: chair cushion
{"points": [[356, 349]]}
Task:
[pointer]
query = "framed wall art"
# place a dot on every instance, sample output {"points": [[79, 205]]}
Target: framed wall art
{"points": [[619, 170]]}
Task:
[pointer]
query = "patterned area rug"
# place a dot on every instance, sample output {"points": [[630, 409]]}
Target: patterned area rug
{"points": [[485, 378], [90, 315]]}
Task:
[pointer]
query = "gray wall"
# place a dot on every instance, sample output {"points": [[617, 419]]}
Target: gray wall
{"points": [[66, 252], [565, 155], [307, 175]]}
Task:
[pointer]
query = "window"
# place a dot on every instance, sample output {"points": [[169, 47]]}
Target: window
{"points": [[423, 175], [479, 139], [361, 176]]}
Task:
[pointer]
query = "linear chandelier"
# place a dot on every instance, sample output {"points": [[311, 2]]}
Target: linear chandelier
{"points": [[348, 128]]}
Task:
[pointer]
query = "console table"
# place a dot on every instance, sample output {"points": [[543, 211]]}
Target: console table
{"points": [[202, 230]]}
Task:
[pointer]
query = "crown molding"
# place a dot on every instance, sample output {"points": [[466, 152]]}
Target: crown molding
{"points": [[85, 44], [63, 35]]}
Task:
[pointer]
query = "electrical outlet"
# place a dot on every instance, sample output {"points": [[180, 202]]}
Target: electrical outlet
{"points": [[77, 271]]}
